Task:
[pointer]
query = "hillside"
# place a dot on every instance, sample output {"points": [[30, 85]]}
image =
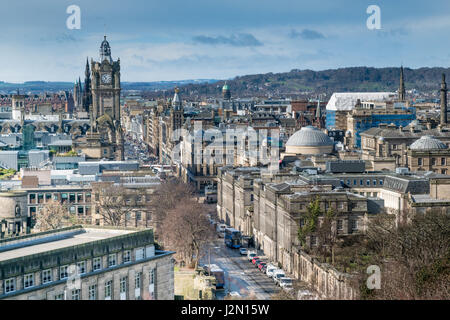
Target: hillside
{"points": [[304, 82]]}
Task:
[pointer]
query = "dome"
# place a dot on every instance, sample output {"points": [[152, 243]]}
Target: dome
{"points": [[309, 140], [309, 136], [428, 143], [225, 87]]}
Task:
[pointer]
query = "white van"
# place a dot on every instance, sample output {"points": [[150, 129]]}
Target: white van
{"points": [[270, 269], [277, 275], [221, 229], [286, 283]]}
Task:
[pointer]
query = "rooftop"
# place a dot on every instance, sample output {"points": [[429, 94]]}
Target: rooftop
{"points": [[53, 240]]}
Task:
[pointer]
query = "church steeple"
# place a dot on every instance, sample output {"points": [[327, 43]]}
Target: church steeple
{"points": [[401, 89]]}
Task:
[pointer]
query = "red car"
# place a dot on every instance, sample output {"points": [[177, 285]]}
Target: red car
{"points": [[255, 259], [261, 265]]}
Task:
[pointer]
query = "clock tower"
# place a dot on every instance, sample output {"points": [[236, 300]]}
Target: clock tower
{"points": [[106, 85]]}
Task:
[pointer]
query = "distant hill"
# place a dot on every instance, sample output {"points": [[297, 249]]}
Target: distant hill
{"points": [[54, 86], [296, 82]]}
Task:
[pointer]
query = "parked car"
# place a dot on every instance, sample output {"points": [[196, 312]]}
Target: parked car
{"points": [[286, 283], [243, 251], [261, 265], [255, 259], [263, 268], [270, 268], [277, 275], [251, 255]]}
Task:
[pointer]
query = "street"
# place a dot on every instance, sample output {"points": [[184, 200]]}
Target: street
{"points": [[240, 275]]}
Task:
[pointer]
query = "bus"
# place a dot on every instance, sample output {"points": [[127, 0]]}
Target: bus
{"points": [[215, 271], [232, 238]]}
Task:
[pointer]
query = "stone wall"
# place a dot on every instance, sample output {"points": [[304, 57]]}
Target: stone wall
{"points": [[323, 278]]}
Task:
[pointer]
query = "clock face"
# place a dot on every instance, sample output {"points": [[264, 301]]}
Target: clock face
{"points": [[106, 78]]}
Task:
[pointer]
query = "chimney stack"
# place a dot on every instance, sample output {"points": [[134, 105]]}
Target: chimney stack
{"points": [[443, 101]]}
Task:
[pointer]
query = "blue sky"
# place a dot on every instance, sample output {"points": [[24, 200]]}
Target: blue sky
{"points": [[192, 39]]}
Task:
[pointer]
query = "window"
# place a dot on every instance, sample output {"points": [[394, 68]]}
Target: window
{"points": [[339, 224], [81, 267], [419, 161], [59, 296], [10, 285], [381, 182], [112, 260], [93, 292], [123, 287], [151, 278], [108, 290], [138, 216], [443, 161], [433, 161], [97, 264], [374, 182], [139, 254], [28, 280], [46, 276], [302, 222], [76, 294], [361, 182], [63, 272], [354, 224], [137, 280], [127, 256], [368, 182], [313, 240]]}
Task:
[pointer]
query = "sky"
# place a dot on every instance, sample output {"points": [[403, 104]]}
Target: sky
{"points": [[161, 40]]}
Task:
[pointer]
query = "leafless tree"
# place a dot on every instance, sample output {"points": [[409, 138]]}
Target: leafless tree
{"points": [[54, 216], [113, 203], [186, 230], [166, 197]]}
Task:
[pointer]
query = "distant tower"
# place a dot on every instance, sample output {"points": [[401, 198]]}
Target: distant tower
{"points": [[176, 114], [319, 120], [87, 93], [443, 101], [18, 106], [226, 92], [401, 89]]}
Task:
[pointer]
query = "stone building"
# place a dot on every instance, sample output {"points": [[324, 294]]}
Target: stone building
{"points": [[84, 263], [105, 138], [14, 219], [386, 147], [429, 154]]}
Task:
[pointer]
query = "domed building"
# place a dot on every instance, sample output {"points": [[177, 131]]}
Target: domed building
{"points": [[429, 154], [428, 143], [309, 140]]}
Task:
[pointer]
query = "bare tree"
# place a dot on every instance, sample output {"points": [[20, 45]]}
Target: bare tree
{"points": [[186, 230], [54, 216], [113, 203], [166, 197]]}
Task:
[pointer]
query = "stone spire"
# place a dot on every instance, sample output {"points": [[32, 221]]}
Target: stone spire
{"points": [[401, 89], [87, 93], [443, 101]]}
